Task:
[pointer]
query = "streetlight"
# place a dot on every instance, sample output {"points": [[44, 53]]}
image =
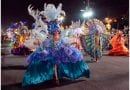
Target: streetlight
{"points": [[88, 13], [108, 22], [108, 26]]}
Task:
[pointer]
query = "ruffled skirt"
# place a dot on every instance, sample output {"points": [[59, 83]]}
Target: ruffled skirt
{"points": [[39, 72], [69, 63], [119, 51]]}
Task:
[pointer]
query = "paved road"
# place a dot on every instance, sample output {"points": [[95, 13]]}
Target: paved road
{"points": [[112, 73]]}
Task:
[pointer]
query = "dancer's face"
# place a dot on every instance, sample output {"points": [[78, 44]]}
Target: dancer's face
{"points": [[56, 35]]}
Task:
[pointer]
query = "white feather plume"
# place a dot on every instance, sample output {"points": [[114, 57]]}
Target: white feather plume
{"points": [[51, 12]]}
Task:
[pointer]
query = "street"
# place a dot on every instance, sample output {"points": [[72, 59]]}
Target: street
{"points": [[111, 73]]}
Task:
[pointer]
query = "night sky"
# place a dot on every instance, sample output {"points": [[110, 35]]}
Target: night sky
{"points": [[16, 10]]}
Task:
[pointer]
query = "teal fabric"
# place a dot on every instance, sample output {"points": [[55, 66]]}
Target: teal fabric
{"points": [[39, 72], [73, 70]]}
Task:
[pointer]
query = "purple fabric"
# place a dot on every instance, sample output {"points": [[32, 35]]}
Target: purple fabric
{"points": [[59, 54], [21, 51]]}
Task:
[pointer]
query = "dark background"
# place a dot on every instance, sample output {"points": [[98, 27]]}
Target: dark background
{"points": [[16, 10]]}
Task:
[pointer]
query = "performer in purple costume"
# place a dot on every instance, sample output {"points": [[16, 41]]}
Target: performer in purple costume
{"points": [[55, 58]]}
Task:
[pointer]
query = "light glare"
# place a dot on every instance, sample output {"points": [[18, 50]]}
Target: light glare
{"points": [[87, 14]]}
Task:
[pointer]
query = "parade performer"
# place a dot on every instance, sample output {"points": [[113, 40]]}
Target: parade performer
{"points": [[118, 45], [73, 33], [77, 32], [54, 57], [94, 39], [17, 34]]}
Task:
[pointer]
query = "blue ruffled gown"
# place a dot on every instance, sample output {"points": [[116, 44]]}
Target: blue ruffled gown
{"points": [[69, 61]]}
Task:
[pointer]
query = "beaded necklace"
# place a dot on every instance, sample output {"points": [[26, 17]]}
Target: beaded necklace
{"points": [[55, 44]]}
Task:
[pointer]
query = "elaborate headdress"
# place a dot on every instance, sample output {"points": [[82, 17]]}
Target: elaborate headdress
{"points": [[53, 26], [93, 26], [51, 15], [51, 12]]}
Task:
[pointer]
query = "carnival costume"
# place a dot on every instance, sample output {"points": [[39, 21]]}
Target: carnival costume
{"points": [[69, 60], [118, 45], [72, 34], [95, 39], [16, 32]]}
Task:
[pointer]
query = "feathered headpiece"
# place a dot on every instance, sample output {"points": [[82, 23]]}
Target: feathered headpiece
{"points": [[93, 26], [53, 26], [51, 12]]}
